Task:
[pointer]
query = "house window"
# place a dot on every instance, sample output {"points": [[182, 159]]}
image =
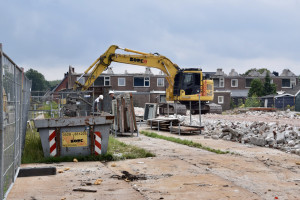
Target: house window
{"points": [[220, 99], [82, 80], [248, 82], [234, 83], [99, 81], [293, 82], [216, 82], [106, 81], [221, 84], [147, 81], [121, 82], [141, 81], [160, 82], [286, 83]]}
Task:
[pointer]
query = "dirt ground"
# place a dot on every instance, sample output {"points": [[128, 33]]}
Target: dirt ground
{"points": [[177, 172]]}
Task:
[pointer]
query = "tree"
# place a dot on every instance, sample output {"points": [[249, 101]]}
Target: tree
{"points": [[250, 70], [53, 84], [268, 87], [252, 101], [256, 88], [38, 80], [261, 70]]}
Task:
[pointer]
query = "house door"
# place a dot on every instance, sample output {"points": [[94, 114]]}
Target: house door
{"points": [[297, 103], [266, 103]]}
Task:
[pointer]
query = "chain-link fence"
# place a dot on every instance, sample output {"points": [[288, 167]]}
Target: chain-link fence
{"points": [[59, 104], [15, 95], [279, 102], [44, 107]]}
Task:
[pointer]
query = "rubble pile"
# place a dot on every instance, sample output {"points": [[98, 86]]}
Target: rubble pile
{"points": [[283, 137], [275, 115], [261, 133]]}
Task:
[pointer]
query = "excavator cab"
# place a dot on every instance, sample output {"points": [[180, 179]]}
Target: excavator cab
{"points": [[188, 80], [188, 85]]}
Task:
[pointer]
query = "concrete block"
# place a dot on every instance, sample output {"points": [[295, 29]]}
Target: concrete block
{"points": [[37, 171], [291, 143], [280, 138], [258, 141]]}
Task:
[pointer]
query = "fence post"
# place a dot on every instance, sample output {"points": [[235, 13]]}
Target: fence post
{"points": [[1, 125], [15, 90]]}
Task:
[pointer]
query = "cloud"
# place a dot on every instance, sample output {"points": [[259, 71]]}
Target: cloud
{"points": [[53, 34]]}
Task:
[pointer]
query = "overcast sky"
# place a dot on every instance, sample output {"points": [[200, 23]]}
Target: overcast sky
{"points": [[50, 35]]}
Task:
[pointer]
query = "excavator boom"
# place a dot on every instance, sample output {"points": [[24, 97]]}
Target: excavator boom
{"points": [[139, 58], [184, 85]]}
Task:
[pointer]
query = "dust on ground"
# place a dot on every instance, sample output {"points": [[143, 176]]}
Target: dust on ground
{"points": [[177, 172]]}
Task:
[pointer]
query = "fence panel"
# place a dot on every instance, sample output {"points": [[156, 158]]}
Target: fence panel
{"points": [[14, 94]]}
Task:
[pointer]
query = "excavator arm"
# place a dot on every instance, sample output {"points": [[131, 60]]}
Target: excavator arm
{"points": [[188, 86], [138, 58]]}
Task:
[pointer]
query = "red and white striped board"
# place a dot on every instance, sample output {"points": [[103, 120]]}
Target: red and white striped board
{"points": [[97, 143], [52, 143]]}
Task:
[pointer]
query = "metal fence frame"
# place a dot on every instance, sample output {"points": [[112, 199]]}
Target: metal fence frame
{"points": [[280, 103], [14, 104]]}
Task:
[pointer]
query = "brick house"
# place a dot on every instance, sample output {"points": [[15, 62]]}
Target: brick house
{"points": [[239, 85], [145, 87], [150, 88]]}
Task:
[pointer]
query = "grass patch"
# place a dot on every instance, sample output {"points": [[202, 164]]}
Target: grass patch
{"points": [[122, 151], [33, 151], [184, 142]]}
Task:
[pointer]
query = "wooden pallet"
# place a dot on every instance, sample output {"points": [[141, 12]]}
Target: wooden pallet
{"points": [[163, 123]]}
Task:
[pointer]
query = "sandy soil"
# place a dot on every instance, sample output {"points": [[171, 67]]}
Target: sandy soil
{"points": [[177, 172]]}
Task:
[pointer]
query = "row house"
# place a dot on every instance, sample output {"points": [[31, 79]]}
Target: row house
{"points": [[239, 85], [150, 88], [144, 87]]}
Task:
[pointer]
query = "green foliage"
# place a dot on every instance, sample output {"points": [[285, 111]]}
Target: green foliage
{"points": [[184, 142], [292, 108], [47, 106], [252, 101], [259, 88], [39, 82], [53, 84], [261, 70], [33, 150], [256, 88], [268, 87], [241, 103], [232, 104], [49, 109], [126, 151], [249, 70]]}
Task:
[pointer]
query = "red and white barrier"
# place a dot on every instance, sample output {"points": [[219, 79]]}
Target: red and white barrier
{"points": [[97, 143], [52, 142]]}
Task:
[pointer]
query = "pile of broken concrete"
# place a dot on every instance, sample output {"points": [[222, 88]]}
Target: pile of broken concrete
{"points": [[283, 137], [274, 115], [266, 134]]}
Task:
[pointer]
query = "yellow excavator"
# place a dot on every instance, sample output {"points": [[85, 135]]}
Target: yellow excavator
{"points": [[185, 85]]}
